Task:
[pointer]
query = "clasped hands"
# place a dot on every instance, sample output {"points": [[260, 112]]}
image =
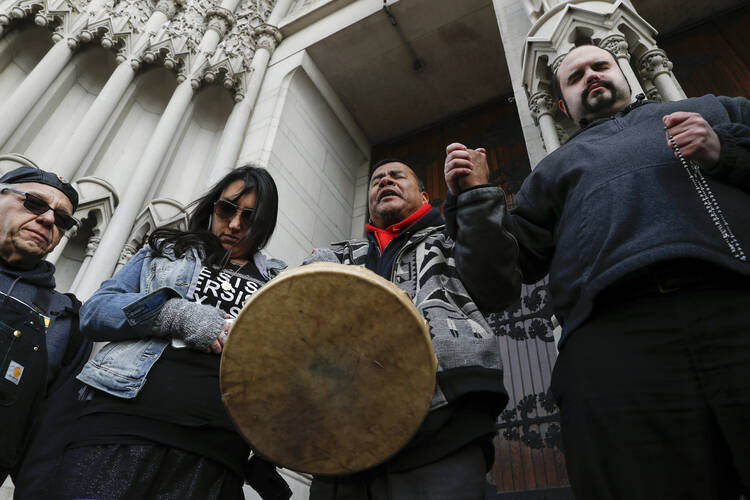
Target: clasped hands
{"points": [[465, 168]]}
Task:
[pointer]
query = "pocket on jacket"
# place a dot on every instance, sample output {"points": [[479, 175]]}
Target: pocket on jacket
{"points": [[24, 361], [110, 352]]}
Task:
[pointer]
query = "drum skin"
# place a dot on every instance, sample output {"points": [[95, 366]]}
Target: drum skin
{"points": [[328, 369]]}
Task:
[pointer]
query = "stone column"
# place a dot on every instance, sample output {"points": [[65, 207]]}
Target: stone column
{"points": [[31, 89], [18, 105], [234, 131], [55, 254], [267, 37], [96, 117], [655, 66], [91, 247], [617, 45], [116, 233], [652, 93], [115, 236], [6, 44], [542, 107]]}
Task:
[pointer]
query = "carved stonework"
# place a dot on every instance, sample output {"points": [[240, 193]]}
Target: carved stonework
{"points": [[220, 20], [556, 63], [267, 37], [127, 253], [254, 12], [189, 24], [72, 232], [119, 25], [652, 93], [168, 7], [654, 63], [239, 44], [263, 8], [135, 12], [541, 103], [241, 85], [562, 134], [92, 245], [617, 45]]}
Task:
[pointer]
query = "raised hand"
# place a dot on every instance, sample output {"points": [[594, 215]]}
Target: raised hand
{"points": [[465, 168]]}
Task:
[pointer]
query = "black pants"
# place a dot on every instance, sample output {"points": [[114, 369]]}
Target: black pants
{"points": [[654, 394], [460, 476]]}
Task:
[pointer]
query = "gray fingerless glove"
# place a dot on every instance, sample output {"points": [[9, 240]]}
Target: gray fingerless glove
{"points": [[321, 255], [198, 325]]}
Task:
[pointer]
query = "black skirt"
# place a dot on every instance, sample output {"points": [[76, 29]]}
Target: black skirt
{"points": [[143, 472]]}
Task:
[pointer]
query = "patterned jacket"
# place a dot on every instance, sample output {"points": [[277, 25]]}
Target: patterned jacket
{"points": [[425, 268]]}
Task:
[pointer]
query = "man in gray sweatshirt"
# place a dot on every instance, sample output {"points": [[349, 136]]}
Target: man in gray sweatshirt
{"points": [[642, 221]]}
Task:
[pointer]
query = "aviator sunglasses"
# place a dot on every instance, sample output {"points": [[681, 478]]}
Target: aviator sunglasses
{"points": [[226, 209], [38, 206]]}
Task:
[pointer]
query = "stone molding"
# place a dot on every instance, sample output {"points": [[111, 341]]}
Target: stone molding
{"points": [[126, 254], [557, 62], [541, 103], [220, 20], [92, 245], [167, 7], [654, 63], [120, 25], [616, 44], [553, 35], [652, 93], [267, 37]]}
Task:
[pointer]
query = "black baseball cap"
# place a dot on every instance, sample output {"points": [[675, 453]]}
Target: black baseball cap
{"points": [[28, 173]]}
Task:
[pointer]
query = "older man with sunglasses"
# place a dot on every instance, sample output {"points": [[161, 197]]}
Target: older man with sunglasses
{"points": [[41, 345]]}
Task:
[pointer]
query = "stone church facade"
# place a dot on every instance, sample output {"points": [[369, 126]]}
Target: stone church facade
{"points": [[145, 103]]}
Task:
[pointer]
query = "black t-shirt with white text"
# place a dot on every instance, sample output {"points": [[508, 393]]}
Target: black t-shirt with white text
{"points": [[227, 290]]}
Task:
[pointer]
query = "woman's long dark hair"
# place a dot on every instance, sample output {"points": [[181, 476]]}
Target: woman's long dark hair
{"points": [[198, 234]]}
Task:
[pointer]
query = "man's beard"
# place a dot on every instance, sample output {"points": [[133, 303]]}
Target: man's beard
{"points": [[391, 217], [600, 103]]}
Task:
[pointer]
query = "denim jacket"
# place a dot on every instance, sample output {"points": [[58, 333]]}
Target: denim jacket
{"points": [[123, 311]]}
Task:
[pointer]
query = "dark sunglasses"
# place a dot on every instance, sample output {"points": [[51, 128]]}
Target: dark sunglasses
{"points": [[226, 209], [38, 206]]}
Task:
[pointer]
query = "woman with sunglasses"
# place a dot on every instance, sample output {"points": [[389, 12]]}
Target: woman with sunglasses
{"points": [[153, 423]]}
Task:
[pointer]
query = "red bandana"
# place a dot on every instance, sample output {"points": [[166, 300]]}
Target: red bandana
{"points": [[384, 236]]}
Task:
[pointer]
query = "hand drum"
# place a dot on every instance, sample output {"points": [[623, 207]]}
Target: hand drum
{"points": [[328, 369]]}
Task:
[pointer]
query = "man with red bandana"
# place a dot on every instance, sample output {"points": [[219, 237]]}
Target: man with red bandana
{"points": [[452, 450]]}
